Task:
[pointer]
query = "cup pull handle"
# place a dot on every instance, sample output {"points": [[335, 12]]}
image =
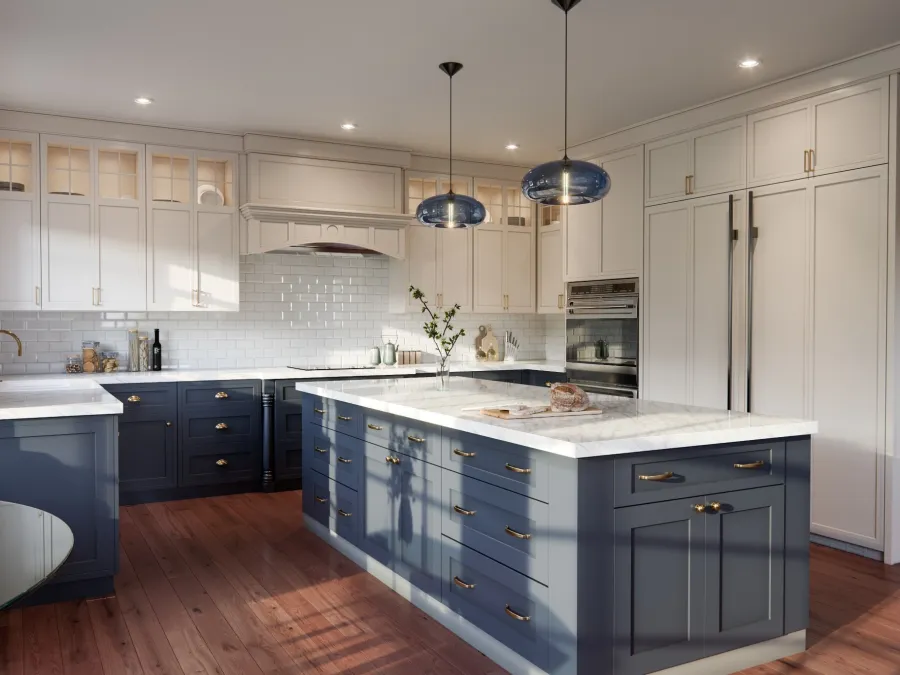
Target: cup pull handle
{"points": [[462, 511], [462, 584], [222, 394], [657, 477], [322, 500], [344, 460], [134, 399], [344, 419], [375, 427], [343, 513], [516, 469], [390, 459], [462, 453], [517, 535], [750, 465], [222, 462], [318, 411], [321, 450], [221, 426], [416, 439], [516, 615]]}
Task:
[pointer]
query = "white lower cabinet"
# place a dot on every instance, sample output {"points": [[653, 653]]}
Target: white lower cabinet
{"points": [[686, 297]]}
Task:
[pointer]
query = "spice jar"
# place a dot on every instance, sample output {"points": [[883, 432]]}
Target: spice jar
{"points": [[109, 362], [90, 357], [73, 364], [144, 353]]}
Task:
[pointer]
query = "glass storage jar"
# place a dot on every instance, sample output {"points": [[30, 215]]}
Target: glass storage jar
{"points": [[90, 356], [109, 362], [73, 365], [144, 353]]}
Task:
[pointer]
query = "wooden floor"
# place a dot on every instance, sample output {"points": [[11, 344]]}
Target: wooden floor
{"points": [[237, 586]]}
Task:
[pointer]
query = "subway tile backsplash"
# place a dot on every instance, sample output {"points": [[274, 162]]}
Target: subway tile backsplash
{"points": [[295, 310]]}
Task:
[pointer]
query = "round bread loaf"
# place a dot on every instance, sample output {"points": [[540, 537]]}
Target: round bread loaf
{"points": [[566, 397]]}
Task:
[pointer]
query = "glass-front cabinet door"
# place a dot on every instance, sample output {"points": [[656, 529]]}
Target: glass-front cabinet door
{"points": [[20, 225]]}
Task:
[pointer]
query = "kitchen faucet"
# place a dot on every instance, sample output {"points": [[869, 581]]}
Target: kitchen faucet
{"points": [[14, 337]]}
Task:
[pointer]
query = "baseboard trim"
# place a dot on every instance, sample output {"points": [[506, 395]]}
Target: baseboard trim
{"points": [[131, 498], [496, 651], [847, 547], [745, 657], [64, 591]]}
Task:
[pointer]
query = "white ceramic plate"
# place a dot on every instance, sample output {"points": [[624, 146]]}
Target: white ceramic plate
{"points": [[210, 195]]}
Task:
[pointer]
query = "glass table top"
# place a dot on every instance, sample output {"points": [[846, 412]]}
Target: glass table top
{"points": [[33, 544]]}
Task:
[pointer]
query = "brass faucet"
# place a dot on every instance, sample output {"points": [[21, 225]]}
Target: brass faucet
{"points": [[14, 337]]}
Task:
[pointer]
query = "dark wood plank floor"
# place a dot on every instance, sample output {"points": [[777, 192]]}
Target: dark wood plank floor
{"points": [[237, 586]]}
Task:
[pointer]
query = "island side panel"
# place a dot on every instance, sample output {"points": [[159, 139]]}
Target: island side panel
{"points": [[796, 535]]}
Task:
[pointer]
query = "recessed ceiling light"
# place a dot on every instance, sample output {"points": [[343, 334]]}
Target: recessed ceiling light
{"points": [[512, 146], [143, 100], [748, 63], [348, 126]]}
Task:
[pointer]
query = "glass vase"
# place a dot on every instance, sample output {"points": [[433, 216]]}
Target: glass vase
{"points": [[443, 376]]}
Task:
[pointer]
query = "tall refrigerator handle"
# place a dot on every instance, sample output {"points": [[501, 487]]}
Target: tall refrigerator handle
{"points": [[752, 235], [732, 237]]}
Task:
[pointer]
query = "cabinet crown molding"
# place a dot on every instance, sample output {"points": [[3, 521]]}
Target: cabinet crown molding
{"points": [[317, 216]]}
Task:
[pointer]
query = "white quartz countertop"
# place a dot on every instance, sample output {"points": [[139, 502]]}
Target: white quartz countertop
{"points": [[60, 397], [626, 425]]}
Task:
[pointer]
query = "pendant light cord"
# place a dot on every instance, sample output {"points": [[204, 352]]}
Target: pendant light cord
{"points": [[451, 135], [566, 94]]}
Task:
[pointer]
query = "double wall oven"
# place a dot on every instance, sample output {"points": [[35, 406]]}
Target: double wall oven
{"points": [[602, 333]]}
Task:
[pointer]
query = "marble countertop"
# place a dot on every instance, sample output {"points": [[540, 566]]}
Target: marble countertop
{"points": [[626, 425], [60, 395]]}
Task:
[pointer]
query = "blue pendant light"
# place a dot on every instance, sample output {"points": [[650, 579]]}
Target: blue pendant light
{"points": [[566, 182], [451, 209]]}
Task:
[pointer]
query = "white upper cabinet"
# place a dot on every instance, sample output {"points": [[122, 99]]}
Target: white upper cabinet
{"points": [[551, 294], [605, 239], [707, 161], [686, 299], [192, 231], [20, 231], [504, 250], [93, 225], [842, 130]]}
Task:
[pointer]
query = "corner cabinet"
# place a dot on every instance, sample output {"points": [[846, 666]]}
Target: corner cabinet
{"points": [[192, 230], [93, 225], [504, 250], [605, 239], [20, 224]]}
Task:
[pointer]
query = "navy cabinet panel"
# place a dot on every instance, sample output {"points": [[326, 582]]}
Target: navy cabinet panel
{"points": [[209, 426], [288, 430], [401, 522], [220, 466], [399, 434], [67, 466], [148, 457], [146, 401], [333, 454], [509, 606], [513, 376], [223, 394], [673, 474], [542, 378], [509, 466], [660, 586], [317, 497], [744, 569], [344, 514], [508, 527]]}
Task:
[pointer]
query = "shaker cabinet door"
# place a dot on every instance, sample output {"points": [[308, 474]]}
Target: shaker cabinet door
{"points": [[551, 289], [488, 290], [776, 142], [744, 568], [667, 167], [217, 261], [454, 250], [659, 589], [171, 279]]}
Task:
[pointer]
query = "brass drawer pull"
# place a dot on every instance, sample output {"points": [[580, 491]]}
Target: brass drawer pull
{"points": [[344, 460], [134, 399], [345, 419], [221, 395], [516, 615], [516, 469], [415, 439], [222, 462], [221, 426], [168, 424], [657, 477], [318, 411], [752, 465], [322, 500], [322, 450], [375, 427], [463, 511], [548, 384], [344, 513], [390, 459], [699, 508], [462, 584], [715, 507], [463, 453], [517, 535]]}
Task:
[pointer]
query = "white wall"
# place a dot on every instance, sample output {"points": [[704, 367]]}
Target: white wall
{"points": [[295, 310]]}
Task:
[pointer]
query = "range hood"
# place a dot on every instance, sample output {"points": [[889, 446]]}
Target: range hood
{"points": [[298, 229]]}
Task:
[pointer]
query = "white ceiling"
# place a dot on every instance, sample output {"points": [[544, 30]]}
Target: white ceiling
{"points": [[300, 68]]}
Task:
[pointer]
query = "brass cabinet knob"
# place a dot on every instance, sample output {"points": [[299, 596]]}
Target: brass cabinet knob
{"points": [[390, 459], [134, 399], [221, 426], [548, 384], [221, 462], [715, 507], [222, 394], [699, 508]]}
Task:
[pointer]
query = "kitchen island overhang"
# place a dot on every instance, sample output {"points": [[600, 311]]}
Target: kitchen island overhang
{"points": [[637, 541]]}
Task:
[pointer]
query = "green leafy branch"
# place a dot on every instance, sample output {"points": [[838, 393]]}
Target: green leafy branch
{"points": [[444, 338]]}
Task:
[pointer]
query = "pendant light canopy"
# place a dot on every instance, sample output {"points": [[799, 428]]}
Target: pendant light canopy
{"points": [[451, 209], [566, 181]]}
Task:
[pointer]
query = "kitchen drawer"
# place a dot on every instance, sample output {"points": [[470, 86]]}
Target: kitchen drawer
{"points": [[511, 376], [332, 414], [675, 474], [212, 427], [422, 441], [333, 454], [221, 394], [317, 496], [146, 402], [490, 595], [509, 466], [344, 515], [228, 464], [508, 527]]}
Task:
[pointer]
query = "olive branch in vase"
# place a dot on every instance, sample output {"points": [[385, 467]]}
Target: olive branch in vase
{"points": [[443, 337]]}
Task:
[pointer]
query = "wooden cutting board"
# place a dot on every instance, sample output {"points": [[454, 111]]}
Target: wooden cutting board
{"points": [[502, 414]]}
